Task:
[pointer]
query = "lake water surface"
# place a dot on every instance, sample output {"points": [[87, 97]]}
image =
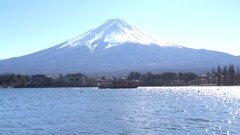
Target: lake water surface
{"points": [[161, 110]]}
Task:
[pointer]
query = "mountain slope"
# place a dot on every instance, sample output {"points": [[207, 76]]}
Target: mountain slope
{"points": [[115, 47], [113, 32]]}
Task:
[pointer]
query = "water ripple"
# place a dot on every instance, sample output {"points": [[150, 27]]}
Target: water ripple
{"points": [[146, 110]]}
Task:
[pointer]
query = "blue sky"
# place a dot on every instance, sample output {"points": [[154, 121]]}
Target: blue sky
{"points": [[28, 26]]}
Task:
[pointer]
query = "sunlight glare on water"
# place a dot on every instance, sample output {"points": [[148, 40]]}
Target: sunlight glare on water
{"points": [[146, 110]]}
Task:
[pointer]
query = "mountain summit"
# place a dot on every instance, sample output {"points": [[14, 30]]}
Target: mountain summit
{"points": [[112, 33], [116, 47]]}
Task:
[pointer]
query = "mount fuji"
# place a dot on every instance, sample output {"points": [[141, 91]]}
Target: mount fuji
{"points": [[116, 47]]}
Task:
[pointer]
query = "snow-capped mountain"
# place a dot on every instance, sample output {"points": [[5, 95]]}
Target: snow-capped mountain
{"points": [[113, 32], [116, 47]]}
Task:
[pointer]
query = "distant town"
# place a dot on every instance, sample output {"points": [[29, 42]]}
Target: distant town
{"points": [[219, 76]]}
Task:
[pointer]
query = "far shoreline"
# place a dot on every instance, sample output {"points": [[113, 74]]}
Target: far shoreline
{"points": [[1, 87]]}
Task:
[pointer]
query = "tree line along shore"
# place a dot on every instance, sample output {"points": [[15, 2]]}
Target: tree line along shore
{"points": [[219, 76]]}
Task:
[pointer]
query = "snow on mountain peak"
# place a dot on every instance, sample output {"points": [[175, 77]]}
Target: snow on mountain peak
{"points": [[113, 32]]}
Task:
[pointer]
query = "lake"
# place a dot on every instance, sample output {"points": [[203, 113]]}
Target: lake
{"points": [[145, 110]]}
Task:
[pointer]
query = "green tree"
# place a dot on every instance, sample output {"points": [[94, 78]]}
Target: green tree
{"points": [[168, 76], [238, 76], [231, 75], [225, 75], [219, 70], [189, 76], [134, 75]]}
